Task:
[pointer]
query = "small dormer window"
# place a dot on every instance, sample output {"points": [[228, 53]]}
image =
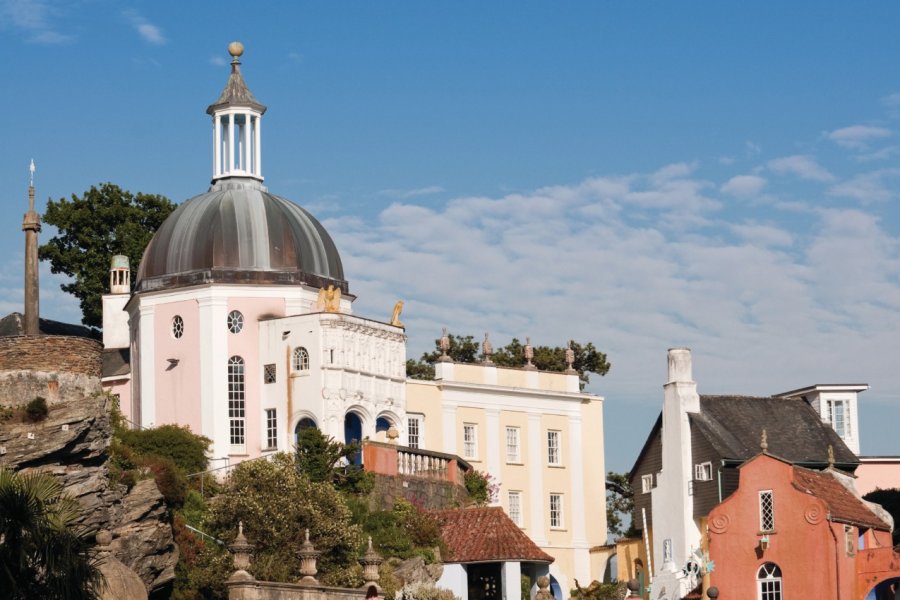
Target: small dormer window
{"points": [[703, 471], [839, 417]]}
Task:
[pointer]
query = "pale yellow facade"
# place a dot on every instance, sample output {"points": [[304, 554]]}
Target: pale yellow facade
{"points": [[541, 439]]}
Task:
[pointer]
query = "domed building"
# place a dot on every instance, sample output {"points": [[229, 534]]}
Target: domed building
{"points": [[240, 324]]}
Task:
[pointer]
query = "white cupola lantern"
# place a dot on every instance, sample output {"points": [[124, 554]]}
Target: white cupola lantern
{"points": [[237, 119]]}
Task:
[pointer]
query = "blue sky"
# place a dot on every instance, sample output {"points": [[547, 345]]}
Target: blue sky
{"points": [[717, 175]]}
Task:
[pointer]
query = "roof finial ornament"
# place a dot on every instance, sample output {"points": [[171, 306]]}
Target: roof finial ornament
{"points": [[830, 456], [487, 349], [235, 49], [570, 359], [764, 441], [529, 355], [445, 347]]}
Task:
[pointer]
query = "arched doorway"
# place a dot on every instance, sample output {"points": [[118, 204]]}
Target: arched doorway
{"points": [[353, 434], [889, 589], [304, 423], [382, 425], [555, 589]]}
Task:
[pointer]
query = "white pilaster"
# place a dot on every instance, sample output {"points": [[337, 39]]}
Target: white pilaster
{"points": [[576, 460], [217, 142], [493, 441], [258, 166], [214, 374], [230, 168], [512, 580], [449, 426], [538, 532], [147, 363]]}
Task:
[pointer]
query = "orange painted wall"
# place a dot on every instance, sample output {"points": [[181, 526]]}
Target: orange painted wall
{"points": [[802, 544]]}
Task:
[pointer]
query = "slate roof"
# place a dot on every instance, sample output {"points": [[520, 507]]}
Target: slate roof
{"points": [[236, 93], [116, 362], [485, 534], [13, 324], [795, 432], [843, 505]]}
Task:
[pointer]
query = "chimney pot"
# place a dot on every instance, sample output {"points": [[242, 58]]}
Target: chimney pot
{"points": [[680, 365]]}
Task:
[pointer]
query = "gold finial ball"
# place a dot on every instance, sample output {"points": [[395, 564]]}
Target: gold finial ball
{"points": [[235, 49]]}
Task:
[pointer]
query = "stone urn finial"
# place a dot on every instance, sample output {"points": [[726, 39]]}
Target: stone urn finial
{"points": [[242, 550], [445, 347], [392, 434], [308, 555], [529, 355], [487, 349], [370, 562], [543, 592], [763, 441], [570, 359]]}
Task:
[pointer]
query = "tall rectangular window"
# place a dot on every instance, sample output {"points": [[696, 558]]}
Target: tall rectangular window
{"points": [[554, 443], [513, 455], [271, 428], [415, 432], [515, 507], [236, 424], [470, 440], [838, 417], [556, 511], [766, 511], [646, 483]]}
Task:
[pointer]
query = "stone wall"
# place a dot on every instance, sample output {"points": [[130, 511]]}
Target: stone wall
{"points": [[268, 590], [430, 494], [58, 368]]}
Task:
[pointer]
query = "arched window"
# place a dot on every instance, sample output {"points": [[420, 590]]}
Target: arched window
{"points": [[236, 408], [177, 326], [304, 423], [301, 359], [235, 321], [768, 582]]}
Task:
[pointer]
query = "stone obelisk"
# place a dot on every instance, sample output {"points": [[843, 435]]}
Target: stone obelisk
{"points": [[31, 225]]}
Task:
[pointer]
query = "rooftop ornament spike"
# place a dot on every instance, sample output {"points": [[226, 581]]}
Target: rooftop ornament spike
{"points": [[308, 555], [370, 562], [487, 350], [529, 355], [570, 359], [242, 550], [830, 456], [445, 347], [763, 441]]}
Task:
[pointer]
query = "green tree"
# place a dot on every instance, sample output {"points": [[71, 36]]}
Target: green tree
{"points": [[619, 505], [324, 459], [464, 349], [42, 554], [91, 229], [175, 442], [277, 503], [889, 500]]}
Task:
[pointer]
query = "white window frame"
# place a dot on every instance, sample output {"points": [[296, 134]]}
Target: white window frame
{"points": [[514, 502], [844, 403], [703, 471], [554, 447], [415, 439], [556, 505], [470, 440], [235, 321], [513, 445], [237, 404], [646, 483], [766, 497], [769, 584], [300, 360], [271, 422]]}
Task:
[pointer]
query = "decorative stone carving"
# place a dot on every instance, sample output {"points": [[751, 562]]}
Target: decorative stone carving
{"points": [[370, 562], [570, 359], [543, 592], [445, 347], [814, 513], [719, 523], [308, 555], [487, 349], [529, 355], [242, 550], [395, 318]]}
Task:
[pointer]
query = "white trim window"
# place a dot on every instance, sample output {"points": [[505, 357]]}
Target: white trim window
{"points": [[177, 326], [703, 471], [556, 511], [513, 452], [766, 511], [236, 404], [235, 321], [646, 483], [514, 498], [839, 417], [271, 428], [470, 440], [768, 582], [554, 447], [301, 359], [415, 431]]}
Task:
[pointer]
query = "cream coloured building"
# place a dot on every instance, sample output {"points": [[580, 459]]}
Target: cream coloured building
{"points": [[541, 439]]}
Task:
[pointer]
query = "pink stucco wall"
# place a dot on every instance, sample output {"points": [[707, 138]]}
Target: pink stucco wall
{"points": [[122, 389], [246, 345], [874, 473], [178, 386]]}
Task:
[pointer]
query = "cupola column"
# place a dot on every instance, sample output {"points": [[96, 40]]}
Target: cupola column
{"points": [[31, 225]]}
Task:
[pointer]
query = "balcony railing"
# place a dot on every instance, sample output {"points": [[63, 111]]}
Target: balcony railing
{"points": [[391, 459]]}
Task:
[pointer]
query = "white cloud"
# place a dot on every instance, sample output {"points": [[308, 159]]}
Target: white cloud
{"points": [[34, 18], [413, 193], [146, 30], [867, 187], [891, 103], [217, 61], [744, 186], [673, 171], [762, 235], [802, 166], [857, 137]]}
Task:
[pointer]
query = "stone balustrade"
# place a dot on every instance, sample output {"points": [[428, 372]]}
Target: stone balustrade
{"points": [[393, 460]]}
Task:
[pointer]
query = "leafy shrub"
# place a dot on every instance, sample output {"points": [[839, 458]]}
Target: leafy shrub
{"points": [[481, 487], [169, 479], [36, 410], [178, 443]]}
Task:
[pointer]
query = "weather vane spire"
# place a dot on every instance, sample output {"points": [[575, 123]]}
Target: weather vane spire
{"points": [[31, 169]]}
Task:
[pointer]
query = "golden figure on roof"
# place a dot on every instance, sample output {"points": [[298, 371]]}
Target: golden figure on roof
{"points": [[329, 300], [395, 318]]}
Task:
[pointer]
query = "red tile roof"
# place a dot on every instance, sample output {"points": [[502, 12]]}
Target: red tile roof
{"points": [[485, 535], [843, 505]]}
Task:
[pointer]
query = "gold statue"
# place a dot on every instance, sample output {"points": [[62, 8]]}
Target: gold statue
{"points": [[395, 318], [329, 300]]}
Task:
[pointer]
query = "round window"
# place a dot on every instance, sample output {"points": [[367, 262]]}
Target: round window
{"points": [[177, 326], [235, 321]]}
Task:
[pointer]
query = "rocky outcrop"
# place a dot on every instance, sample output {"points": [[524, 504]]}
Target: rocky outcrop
{"points": [[415, 571], [72, 444]]}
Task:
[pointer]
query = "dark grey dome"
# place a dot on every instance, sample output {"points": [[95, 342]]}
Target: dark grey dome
{"points": [[238, 232]]}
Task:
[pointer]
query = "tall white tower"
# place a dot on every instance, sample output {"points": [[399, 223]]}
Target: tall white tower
{"points": [[115, 319], [237, 120]]}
